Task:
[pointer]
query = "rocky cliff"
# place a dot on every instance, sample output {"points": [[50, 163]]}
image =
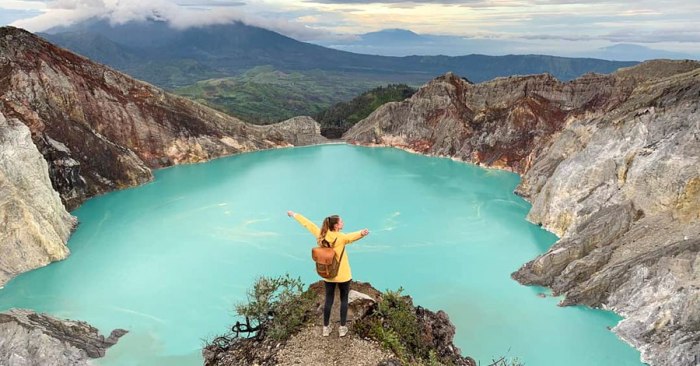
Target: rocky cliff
{"points": [[98, 130], [611, 164], [31, 339], [35, 225]]}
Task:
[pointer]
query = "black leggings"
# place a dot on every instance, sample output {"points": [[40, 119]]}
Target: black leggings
{"points": [[330, 295]]}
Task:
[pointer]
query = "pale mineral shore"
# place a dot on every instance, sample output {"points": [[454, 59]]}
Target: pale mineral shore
{"points": [[609, 162], [416, 152]]}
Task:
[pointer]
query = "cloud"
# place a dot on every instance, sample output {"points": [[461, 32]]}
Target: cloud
{"points": [[210, 3], [413, 4], [394, 1], [690, 35], [188, 13], [554, 22], [8, 16]]}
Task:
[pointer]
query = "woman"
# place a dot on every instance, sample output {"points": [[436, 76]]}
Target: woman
{"points": [[330, 231]]}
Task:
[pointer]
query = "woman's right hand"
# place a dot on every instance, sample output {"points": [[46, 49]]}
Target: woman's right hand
{"points": [[364, 232], [290, 213]]}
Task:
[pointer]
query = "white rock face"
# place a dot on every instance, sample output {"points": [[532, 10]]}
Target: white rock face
{"points": [[35, 225], [625, 200]]}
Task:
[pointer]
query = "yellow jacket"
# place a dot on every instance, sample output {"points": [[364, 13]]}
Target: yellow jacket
{"points": [[341, 240]]}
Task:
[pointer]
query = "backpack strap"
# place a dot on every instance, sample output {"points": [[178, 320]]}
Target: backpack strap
{"points": [[333, 244], [341, 253], [328, 245]]}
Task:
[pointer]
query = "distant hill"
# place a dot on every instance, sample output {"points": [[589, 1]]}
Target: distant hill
{"points": [[266, 95], [339, 118], [626, 52]]}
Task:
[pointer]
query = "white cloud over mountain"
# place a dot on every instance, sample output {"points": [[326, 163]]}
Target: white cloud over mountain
{"points": [[534, 26]]}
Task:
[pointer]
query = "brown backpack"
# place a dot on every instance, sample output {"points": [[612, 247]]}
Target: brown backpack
{"points": [[326, 263]]}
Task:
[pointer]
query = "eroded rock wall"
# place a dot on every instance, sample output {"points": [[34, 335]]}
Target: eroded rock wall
{"points": [[611, 164]]}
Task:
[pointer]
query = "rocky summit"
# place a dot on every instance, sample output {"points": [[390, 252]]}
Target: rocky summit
{"points": [[367, 307], [611, 164], [97, 130]]}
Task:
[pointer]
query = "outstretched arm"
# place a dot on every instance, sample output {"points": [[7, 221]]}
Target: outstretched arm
{"points": [[354, 236], [305, 223]]}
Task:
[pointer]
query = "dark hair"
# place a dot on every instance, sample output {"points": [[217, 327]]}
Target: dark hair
{"points": [[328, 224]]}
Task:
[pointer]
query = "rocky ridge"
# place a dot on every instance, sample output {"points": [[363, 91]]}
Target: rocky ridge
{"points": [[31, 339], [100, 130], [611, 164]]}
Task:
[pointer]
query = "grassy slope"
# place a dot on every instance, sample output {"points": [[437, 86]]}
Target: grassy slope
{"points": [[265, 95], [337, 119]]}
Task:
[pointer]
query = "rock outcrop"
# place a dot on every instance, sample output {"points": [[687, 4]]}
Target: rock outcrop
{"points": [[31, 339], [611, 164], [308, 347], [35, 225], [99, 130]]}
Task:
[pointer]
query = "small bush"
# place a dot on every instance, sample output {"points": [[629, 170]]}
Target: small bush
{"points": [[507, 362], [433, 359], [394, 324], [278, 306], [399, 316]]}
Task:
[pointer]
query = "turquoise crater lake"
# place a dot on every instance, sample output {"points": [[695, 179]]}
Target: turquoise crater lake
{"points": [[168, 260]]}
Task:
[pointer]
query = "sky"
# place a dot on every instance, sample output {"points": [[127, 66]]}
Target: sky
{"points": [[537, 26]]}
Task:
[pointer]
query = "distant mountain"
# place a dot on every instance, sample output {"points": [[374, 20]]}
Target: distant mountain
{"points": [[402, 42], [393, 35], [633, 52], [98, 47], [155, 51]]}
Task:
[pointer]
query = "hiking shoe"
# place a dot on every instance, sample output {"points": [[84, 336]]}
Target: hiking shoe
{"points": [[326, 331], [342, 331]]}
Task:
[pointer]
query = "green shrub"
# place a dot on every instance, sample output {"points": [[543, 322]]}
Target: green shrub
{"points": [[394, 324], [433, 359], [514, 361], [276, 307], [399, 316]]}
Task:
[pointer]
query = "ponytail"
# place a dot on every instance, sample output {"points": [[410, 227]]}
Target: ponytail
{"points": [[328, 225]]}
